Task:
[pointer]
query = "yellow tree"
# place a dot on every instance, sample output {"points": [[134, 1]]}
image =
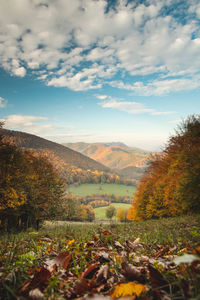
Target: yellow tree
{"points": [[120, 215]]}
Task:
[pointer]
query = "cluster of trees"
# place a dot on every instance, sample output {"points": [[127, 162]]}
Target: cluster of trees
{"points": [[30, 189], [103, 200], [121, 214], [74, 210], [76, 175], [171, 184]]}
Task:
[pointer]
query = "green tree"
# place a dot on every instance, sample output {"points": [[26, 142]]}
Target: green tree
{"points": [[110, 211]]}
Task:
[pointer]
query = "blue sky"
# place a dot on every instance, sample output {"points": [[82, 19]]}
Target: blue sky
{"points": [[99, 71]]}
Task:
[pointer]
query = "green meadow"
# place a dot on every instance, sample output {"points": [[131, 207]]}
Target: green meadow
{"points": [[100, 212], [106, 188]]}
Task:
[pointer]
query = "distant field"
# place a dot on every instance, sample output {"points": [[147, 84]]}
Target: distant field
{"points": [[100, 212], [107, 188]]}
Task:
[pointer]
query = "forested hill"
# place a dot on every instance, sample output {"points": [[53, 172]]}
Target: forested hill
{"points": [[56, 153], [128, 162], [112, 155]]}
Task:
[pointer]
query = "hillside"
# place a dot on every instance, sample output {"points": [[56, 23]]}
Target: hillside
{"points": [[131, 172], [71, 164], [127, 161]]}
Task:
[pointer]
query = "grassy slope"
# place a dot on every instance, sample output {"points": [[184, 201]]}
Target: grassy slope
{"points": [[116, 189], [100, 212]]}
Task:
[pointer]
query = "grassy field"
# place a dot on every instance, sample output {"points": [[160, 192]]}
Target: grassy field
{"points": [[70, 260], [100, 212], [106, 188]]}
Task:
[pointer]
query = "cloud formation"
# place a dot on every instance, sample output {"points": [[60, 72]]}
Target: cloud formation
{"points": [[31, 124], [130, 107], [85, 44], [3, 102]]}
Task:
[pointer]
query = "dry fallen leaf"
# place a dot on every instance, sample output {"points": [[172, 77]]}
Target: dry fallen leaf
{"points": [[157, 280], [41, 277], [90, 271], [131, 272], [102, 273], [128, 289], [81, 286]]}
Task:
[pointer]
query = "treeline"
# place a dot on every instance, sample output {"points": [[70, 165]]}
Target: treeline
{"points": [[30, 188], [171, 184], [100, 200], [74, 175]]}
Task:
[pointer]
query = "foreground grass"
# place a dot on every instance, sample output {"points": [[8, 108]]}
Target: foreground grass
{"points": [[100, 212], [99, 189], [63, 260]]}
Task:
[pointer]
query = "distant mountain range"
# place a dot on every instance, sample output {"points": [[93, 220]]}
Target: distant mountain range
{"points": [[127, 161], [59, 155]]}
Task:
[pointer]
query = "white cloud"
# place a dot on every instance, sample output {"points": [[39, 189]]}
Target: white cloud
{"points": [[160, 87], [31, 124], [3, 102], [101, 97], [131, 107], [67, 37]]}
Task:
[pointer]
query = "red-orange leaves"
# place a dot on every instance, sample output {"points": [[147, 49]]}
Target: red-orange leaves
{"points": [[90, 271]]}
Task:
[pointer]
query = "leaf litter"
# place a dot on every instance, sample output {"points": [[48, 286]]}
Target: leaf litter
{"points": [[105, 268]]}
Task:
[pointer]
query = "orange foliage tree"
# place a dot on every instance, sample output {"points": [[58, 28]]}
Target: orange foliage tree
{"points": [[171, 183]]}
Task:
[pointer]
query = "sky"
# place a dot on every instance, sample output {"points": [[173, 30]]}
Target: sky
{"points": [[99, 70]]}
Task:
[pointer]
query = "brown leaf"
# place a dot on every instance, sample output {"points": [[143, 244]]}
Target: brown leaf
{"points": [[157, 280], [66, 262], [90, 271], [103, 273], [41, 277], [103, 257], [60, 259], [135, 245], [81, 286], [132, 273]]}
